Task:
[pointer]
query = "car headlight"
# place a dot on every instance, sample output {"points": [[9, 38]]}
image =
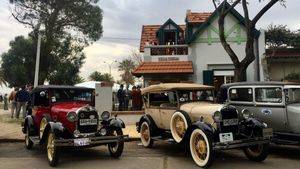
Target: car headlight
{"points": [[217, 116], [103, 131], [105, 115], [247, 114], [72, 116]]}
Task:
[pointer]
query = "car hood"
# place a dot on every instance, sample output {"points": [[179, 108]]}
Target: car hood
{"points": [[67, 106], [201, 109]]}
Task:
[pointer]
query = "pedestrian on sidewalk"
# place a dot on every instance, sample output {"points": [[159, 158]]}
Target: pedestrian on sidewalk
{"points": [[121, 97], [139, 98], [127, 98], [134, 95], [12, 100], [22, 97], [5, 100]]}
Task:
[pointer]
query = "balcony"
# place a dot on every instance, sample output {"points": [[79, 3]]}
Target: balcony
{"points": [[166, 53]]}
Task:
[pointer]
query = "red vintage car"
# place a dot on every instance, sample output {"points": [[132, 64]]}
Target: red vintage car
{"points": [[64, 116]]}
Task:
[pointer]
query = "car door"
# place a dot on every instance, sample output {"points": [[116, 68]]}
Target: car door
{"points": [[270, 105], [167, 109], [153, 108]]}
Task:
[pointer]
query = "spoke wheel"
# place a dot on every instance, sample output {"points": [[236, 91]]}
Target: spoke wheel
{"points": [[116, 149], [43, 126], [200, 148], [257, 153], [178, 126], [52, 152], [145, 135], [28, 142]]}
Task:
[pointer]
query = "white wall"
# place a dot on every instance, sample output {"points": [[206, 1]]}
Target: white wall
{"points": [[204, 54]]}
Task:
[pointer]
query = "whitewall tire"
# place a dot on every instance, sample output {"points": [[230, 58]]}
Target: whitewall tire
{"points": [[146, 135], [178, 126], [200, 148]]}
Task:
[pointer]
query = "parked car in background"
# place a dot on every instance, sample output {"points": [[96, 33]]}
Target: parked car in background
{"points": [[187, 113], [275, 103], [63, 116]]}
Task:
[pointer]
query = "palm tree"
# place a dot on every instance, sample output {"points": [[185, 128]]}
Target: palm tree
{"points": [[127, 66], [97, 76]]}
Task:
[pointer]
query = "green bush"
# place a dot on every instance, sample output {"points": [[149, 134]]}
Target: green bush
{"points": [[292, 76]]}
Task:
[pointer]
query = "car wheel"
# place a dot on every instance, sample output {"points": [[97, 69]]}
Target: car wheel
{"points": [[201, 148], [178, 125], [116, 149], [146, 135], [52, 150], [257, 153], [43, 124], [28, 142]]}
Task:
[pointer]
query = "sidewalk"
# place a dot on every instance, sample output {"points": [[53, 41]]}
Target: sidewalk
{"points": [[11, 129]]}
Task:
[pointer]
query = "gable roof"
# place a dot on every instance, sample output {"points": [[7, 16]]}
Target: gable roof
{"points": [[149, 35], [209, 20], [197, 17]]}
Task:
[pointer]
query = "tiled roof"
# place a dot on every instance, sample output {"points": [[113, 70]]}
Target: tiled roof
{"points": [[171, 67], [195, 17], [283, 53], [149, 35]]}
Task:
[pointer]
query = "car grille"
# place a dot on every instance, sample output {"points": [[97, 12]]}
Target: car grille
{"points": [[229, 121], [85, 114]]}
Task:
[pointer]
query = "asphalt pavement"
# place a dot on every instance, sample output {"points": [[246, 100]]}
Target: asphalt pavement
{"points": [[162, 156]]}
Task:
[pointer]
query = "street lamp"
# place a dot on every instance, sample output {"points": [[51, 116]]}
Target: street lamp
{"points": [[109, 65]]}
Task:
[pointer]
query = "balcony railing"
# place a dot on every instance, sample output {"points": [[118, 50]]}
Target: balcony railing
{"points": [[168, 50]]}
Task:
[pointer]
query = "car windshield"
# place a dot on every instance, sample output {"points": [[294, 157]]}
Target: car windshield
{"points": [[63, 95], [195, 95], [293, 95]]}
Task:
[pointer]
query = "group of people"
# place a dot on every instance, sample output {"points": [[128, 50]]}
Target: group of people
{"points": [[19, 98], [124, 97]]}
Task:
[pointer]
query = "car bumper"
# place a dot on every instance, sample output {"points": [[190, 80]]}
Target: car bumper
{"points": [[240, 143], [92, 141]]}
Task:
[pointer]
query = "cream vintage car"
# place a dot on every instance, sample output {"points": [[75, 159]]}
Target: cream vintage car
{"points": [[187, 113]]}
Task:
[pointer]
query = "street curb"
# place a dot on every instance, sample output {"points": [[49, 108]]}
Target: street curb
{"points": [[11, 140]]}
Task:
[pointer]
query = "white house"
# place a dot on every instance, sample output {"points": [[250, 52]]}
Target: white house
{"points": [[193, 51]]}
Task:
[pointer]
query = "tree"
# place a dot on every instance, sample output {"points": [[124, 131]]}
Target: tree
{"points": [[58, 20], [97, 76], [223, 9], [18, 62], [279, 36], [2, 79], [127, 66]]}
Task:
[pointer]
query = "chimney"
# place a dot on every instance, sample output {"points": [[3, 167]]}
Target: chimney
{"points": [[188, 12]]}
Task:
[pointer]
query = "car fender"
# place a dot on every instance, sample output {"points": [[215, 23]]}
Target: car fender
{"points": [[55, 127], [30, 123], [207, 128], [116, 123], [149, 120]]}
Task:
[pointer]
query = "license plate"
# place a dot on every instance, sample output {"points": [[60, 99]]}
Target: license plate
{"points": [[226, 137], [267, 132], [230, 122], [86, 122], [82, 142]]}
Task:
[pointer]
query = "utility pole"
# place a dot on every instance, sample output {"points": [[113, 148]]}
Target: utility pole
{"points": [[37, 61]]}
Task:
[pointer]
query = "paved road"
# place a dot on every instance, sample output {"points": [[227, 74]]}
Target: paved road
{"points": [[162, 156]]}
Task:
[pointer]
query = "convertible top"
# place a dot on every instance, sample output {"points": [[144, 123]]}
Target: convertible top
{"points": [[45, 87], [175, 86]]}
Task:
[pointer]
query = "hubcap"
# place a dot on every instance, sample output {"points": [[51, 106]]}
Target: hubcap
{"points": [[255, 150], [179, 126], [42, 126], [145, 133], [50, 146], [200, 146]]}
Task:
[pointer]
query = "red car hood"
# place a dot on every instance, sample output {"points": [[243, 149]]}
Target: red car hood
{"points": [[67, 106]]}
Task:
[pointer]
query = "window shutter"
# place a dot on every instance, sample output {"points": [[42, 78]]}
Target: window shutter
{"points": [[208, 77]]}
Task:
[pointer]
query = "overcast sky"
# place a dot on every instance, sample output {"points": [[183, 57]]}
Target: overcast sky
{"points": [[123, 20]]}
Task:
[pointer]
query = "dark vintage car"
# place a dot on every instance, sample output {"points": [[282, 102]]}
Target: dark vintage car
{"points": [[63, 116], [187, 114]]}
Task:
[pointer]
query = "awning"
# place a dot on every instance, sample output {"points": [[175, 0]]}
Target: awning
{"points": [[165, 67]]}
